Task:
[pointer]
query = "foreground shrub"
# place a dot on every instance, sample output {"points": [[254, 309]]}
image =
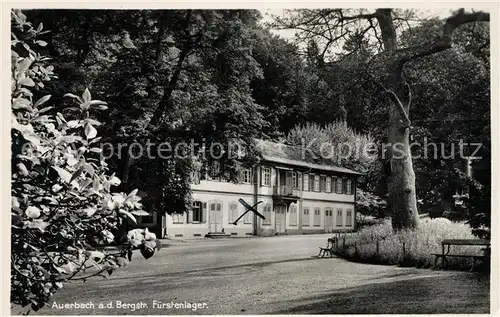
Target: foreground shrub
{"points": [[63, 208], [408, 247]]}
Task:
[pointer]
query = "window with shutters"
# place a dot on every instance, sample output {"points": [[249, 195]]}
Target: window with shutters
{"points": [[328, 186], [295, 180], [178, 218], [266, 176], [349, 187], [317, 217], [293, 215], [316, 183], [246, 176], [339, 219], [196, 212], [348, 217], [323, 183], [339, 185], [306, 182], [305, 217], [267, 215], [233, 212]]}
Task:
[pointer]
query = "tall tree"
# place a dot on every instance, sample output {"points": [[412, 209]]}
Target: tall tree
{"points": [[333, 26]]}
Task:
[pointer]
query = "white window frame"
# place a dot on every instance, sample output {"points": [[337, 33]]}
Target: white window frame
{"points": [[316, 187], [246, 176], [317, 217], [233, 212], [338, 185], [305, 182], [178, 218], [328, 186], [306, 217], [266, 176], [200, 208], [267, 215], [348, 218], [293, 215], [349, 186], [339, 216]]}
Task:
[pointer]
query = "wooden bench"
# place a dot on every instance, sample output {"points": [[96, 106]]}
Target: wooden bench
{"points": [[329, 247], [446, 244]]}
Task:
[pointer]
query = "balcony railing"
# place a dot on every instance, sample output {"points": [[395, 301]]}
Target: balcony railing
{"points": [[286, 190]]}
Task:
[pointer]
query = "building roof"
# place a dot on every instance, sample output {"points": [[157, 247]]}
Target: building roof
{"points": [[281, 153]]}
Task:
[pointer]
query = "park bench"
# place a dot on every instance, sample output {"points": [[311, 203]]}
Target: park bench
{"points": [[329, 247], [446, 244]]}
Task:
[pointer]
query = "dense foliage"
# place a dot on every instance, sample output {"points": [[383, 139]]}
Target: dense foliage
{"points": [[63, 207], [203, 76]]}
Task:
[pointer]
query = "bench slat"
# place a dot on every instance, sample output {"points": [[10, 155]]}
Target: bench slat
{"points": [[459, 255], [466, 242]]}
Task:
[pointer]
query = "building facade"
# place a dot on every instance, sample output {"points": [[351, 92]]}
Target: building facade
{"points": [[294, 196]]}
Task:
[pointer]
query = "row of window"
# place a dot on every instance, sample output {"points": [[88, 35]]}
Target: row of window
{"points": [[302, 181], [306, 217], [314, 182], [198, 213]]}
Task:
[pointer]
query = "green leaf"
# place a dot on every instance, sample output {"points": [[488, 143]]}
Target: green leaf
{"points": [[42, 100], [93, 122], [90, 131], [27, 82], [139, 213], [63, 174], [74, 97], [115, 181], [45, 109], [41, 43], [97, 103], [21, 103], [86, 96], [40, 27], [22, 169], [129, 215], [77, 174], [23, 65]]}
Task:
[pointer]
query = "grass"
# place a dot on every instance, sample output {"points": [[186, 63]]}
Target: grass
{"points": [[408, 247]]}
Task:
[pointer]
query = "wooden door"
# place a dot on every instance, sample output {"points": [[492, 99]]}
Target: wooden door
{"points": [[280, 220], [328, 220], [215, 217]]}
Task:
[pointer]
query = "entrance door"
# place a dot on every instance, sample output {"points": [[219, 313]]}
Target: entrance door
{"points": [[280, 212], [215, 217], [328, 220]]}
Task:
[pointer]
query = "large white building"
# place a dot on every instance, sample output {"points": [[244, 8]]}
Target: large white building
{"points": [[296, 195]]}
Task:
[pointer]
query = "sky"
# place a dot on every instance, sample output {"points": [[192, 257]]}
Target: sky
{"points": [[289, 34]]}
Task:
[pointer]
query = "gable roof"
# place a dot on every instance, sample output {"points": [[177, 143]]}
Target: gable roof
{"points": [[281, 153]]}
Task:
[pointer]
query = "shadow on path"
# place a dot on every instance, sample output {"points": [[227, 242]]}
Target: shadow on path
{"points": [[463, 293]]}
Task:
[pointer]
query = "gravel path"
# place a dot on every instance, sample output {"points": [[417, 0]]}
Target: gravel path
{"points": [[270, 275]]}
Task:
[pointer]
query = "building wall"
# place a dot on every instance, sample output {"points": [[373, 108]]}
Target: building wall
{"points": [[225, 193]]}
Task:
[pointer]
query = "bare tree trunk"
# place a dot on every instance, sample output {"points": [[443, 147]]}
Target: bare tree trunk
{"points": [[402, 200]]}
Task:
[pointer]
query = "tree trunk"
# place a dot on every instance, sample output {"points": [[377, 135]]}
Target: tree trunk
{"points": [[402, 200]]}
